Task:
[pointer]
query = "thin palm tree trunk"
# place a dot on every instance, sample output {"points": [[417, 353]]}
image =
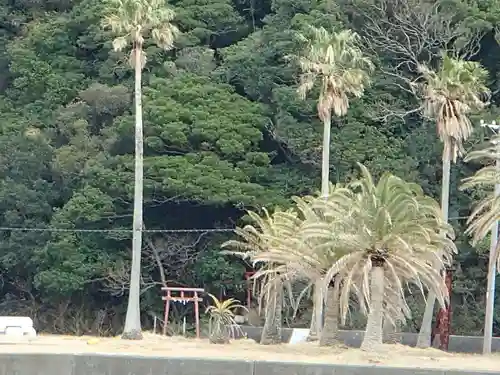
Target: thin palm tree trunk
{"points": [[325, 162], [317, 316], [315, 328], [490, 291], [373, 334], [271, 333], [330, 332], [132, 329], [424, 335]]}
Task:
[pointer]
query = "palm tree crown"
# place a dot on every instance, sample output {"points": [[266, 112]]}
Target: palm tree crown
{"points": [[267, 235], [450, 94], [337, 60], [132, 20], [389, 224]]}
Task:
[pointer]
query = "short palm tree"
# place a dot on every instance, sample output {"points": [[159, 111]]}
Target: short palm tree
{"points": [[318, 260], [393, 233], [222, 324], [336, 61], [266, 235], [450, 95], [306, 259], [133, 21]]}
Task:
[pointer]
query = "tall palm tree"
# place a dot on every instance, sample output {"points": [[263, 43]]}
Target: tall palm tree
{"points": [[394, 233], [133, 21], [450, 95], [337, 62], [268, 234], [484, 218]]}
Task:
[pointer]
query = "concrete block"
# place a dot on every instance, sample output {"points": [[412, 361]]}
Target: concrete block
{"points": [[352, 339], [36, 364], [202, 366], [254, 333], [96, 364], [299, 335]]}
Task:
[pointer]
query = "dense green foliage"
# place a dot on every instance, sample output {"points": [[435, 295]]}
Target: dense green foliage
{"points": [[224, 131]]}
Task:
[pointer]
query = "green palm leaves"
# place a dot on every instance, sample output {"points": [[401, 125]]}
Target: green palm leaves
{"points": [[389, 225], [222, 323]]}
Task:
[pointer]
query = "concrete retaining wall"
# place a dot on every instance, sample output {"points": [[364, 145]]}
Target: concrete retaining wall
{"points": [[458, 344], [85, 364]]}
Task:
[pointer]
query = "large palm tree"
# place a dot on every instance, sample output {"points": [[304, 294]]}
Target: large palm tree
{"points": [[267, 235], [133, 21], [484, 218], [393, 233], [450, 95], [337, 62]]}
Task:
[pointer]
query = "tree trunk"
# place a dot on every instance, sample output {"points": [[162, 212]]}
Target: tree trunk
{"points": [[330, 332], [132, 329], [490, 290], [271, 333], [373, 333], [315, 328], [325, 162], [317, 316], [392, 332], [424, 335]]}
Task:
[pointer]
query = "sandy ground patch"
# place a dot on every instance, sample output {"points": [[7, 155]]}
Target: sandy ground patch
{"points": [[156, 345]]}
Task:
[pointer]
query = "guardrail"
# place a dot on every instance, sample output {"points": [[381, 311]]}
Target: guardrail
{"points": [[96, 364]]}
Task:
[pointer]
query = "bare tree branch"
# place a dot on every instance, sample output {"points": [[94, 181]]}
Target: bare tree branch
{"points": [[407, 34], [166, 254]]}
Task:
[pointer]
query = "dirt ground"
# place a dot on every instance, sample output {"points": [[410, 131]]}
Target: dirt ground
{"points": [[156, 345]]}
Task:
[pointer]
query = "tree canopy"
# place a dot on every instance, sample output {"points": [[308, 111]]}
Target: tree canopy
{"points": [[225, 131]]}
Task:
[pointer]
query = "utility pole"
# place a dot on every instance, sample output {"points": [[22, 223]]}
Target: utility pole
{"points": [[490, 292]]}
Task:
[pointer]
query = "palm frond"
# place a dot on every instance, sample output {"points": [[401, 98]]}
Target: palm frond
{"points": [[486, 212], [337, 61], [133, 20], [389, 221], [450, 95]]}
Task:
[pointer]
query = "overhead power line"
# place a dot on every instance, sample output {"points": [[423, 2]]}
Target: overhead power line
{"points": [[76, 230], [121, 230]]}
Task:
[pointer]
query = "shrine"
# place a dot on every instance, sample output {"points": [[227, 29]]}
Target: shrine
{"points": [[184, 296]]}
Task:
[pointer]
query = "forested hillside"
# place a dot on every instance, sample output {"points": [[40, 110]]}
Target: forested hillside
{"points": [[224, 131]]}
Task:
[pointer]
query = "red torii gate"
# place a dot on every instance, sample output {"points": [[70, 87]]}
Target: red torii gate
{"points": [[183, 299]]}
